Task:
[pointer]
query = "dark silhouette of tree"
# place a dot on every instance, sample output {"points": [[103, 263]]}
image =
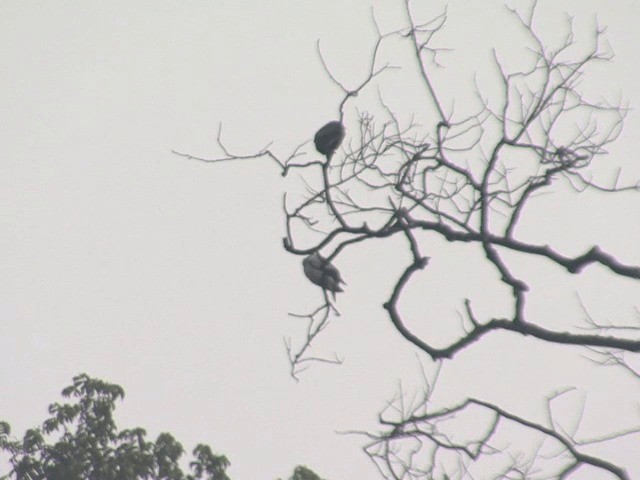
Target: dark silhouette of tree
{"points": [[80, 441], [467, 177], [303, 473]]}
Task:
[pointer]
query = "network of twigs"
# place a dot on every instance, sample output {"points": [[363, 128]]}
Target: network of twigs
{"points": [[467, 179]]}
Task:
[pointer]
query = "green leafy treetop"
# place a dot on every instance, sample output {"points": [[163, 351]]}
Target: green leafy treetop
{"points": [[303, 473], [81, 441]]}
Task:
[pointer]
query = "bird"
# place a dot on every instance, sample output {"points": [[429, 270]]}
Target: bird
{"points": [[321, 272], [329, 138]]}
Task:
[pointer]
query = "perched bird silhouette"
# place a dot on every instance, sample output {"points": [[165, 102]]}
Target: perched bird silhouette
{"points": [[321, 272], [329, 138]]}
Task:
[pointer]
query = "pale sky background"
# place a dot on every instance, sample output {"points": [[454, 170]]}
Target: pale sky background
{"points": [[168, 277]]}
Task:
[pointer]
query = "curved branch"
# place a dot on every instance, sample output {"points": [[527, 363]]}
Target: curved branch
{"points": [[517, 325], [569, 445]]}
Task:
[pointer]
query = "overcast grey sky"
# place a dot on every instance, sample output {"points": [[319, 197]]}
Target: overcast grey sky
{"points": [[168, 277]]}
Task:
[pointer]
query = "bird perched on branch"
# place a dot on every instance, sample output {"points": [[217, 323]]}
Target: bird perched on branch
{"points": [[321, 272], [329, 138]]}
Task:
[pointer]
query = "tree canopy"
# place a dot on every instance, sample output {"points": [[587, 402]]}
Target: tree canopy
{"points": [[80, 441]]}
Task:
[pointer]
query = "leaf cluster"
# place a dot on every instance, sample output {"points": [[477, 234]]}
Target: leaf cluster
{"points": [[80, 440]]}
